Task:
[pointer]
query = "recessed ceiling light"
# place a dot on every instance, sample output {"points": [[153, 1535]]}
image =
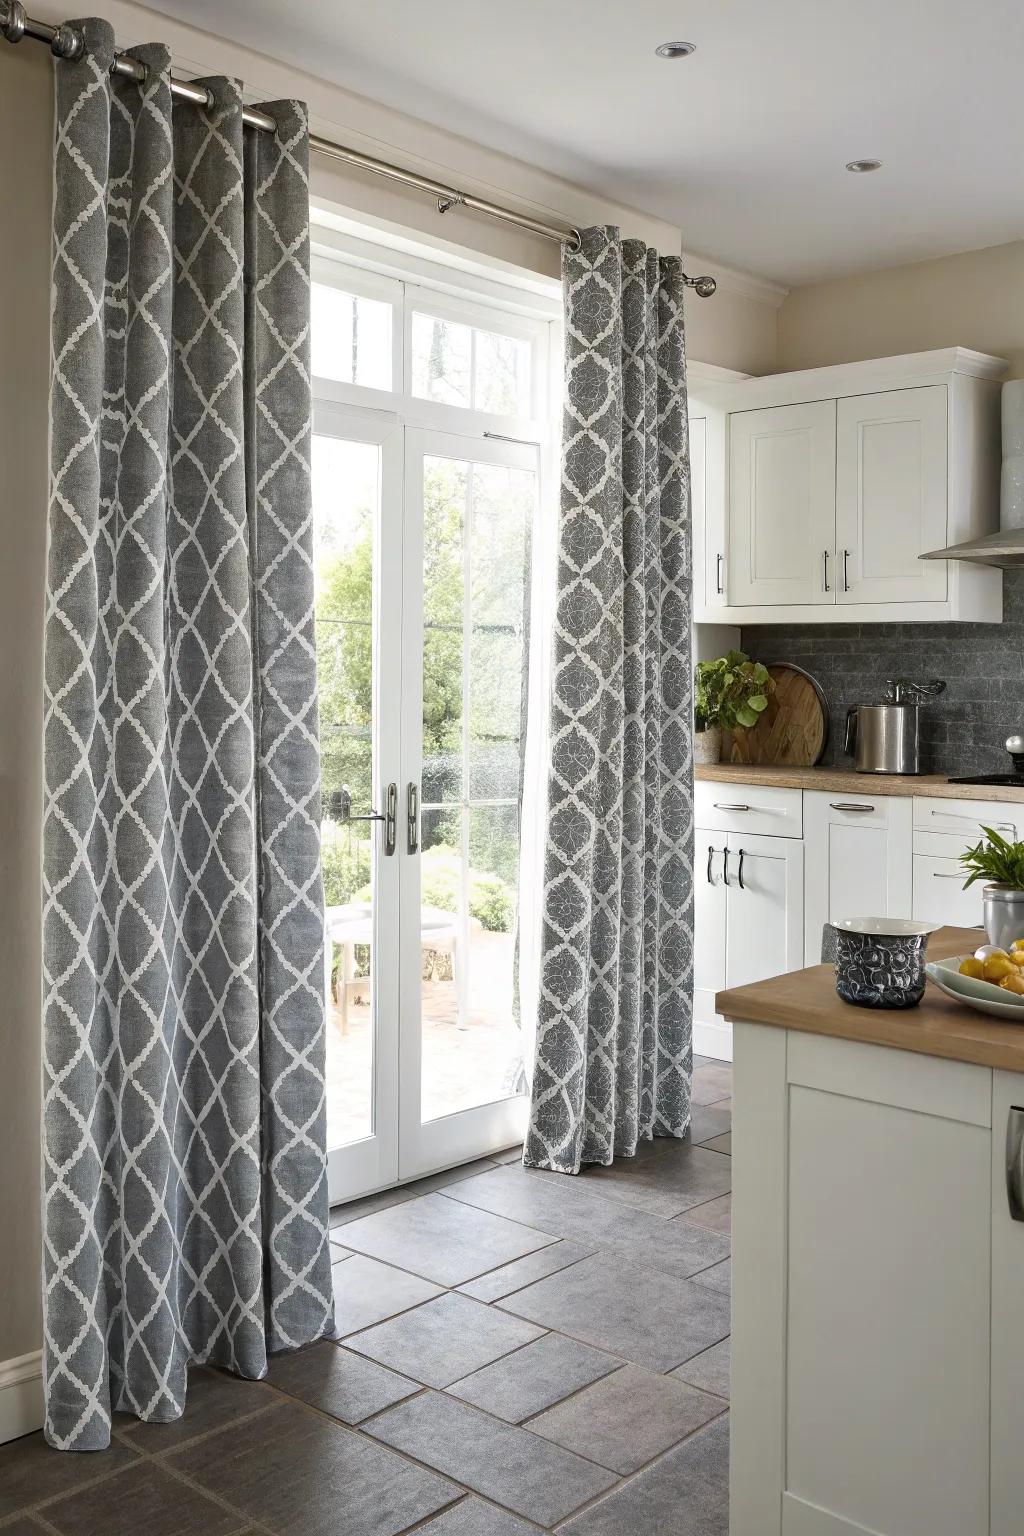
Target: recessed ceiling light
{"points": [[863, 165], [675, 50]]}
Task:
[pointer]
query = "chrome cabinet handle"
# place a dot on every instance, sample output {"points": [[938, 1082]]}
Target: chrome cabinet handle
{"points": [[848, 805], [824, 557], [1015, 1163], [846, 578], [938, 874], [739, 873], [1000, 826], [719, 806], [719, 562], [711, 854], [412, 818], [725, 865]]}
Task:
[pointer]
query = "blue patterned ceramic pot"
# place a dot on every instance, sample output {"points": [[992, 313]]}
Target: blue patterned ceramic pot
{"points": [[880, 961]]}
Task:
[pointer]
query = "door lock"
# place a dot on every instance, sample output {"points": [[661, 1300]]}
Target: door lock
{"points": [[389, 816]]}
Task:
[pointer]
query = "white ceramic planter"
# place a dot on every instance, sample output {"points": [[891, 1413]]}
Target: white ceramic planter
{"points": [[707, 745]]}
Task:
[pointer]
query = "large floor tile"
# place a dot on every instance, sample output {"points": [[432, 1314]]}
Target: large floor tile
{"points": [[512, 1277], [345, 1385], [711, 1085], [475, 1518], [577, 1208], [30, 1471], [714, 1215], [510, 1155], [366, 1292], [718, 1277], [352, 1210], [710, 1370], [144, 1498], [434, 1181], [647, 1317], [526, 1474], [214, 1400], [627, 1419], [685, 1493], [445, 1340], [437, 1237], [708, 1120], [25, 1525], [679, 1179], [534, 1378], [721, 1143], [298, 1473]]}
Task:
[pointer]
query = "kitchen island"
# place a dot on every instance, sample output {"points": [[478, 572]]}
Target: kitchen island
{"points": [[878, 1277]]}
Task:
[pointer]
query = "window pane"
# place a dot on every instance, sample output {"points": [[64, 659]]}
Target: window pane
{"points": [[501, 380], [445, 488], [499, 562], [351, 337], [441, 356]]}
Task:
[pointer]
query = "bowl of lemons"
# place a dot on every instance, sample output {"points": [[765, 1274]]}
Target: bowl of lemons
{"points": [[991, 979]]}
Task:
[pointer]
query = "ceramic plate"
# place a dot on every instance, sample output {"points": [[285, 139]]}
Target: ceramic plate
{"points": [[983, 995]]}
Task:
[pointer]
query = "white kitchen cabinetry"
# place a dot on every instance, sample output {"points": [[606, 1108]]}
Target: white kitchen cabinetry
{"points": [[878, 1362], [782, 465], [942, 830], [838, 479], [748, 897], [891, 482], [857, 860]]}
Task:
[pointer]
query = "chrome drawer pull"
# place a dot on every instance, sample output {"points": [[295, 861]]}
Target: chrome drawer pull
{"points": [[1015, 1163], [720, 807], [848, 805], [1000, 826], [937, 874]]}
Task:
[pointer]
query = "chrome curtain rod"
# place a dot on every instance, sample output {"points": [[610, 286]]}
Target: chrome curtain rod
{"points": [[67, 42]]}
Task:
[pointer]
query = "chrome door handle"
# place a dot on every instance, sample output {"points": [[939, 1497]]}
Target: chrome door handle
{"points": [[739, 872], [720, 807], [719, 562], [1015, 1163], [824, 557], [412, 818], [848, 805], [389, 816]]}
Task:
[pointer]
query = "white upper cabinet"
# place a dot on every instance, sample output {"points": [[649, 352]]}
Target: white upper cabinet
{"points": [[782, 504], [891, 486], [821, 490]]}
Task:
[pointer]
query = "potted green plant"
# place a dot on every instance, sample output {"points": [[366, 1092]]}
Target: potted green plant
{"points": [[1001, 863], [729, 691]]}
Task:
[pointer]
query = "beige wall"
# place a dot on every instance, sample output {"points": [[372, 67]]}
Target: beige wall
{"points": [[736, 329], [971, 300], [25, 115]]}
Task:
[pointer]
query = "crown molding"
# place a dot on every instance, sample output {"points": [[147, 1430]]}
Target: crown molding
{"points": [[731, 278]]}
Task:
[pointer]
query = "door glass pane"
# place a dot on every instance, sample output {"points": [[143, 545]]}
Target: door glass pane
{"points": [[346, 501], [351, 337], [477, 519]]}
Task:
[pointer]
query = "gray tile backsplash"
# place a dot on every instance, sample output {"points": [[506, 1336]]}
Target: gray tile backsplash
{"points": [[962, 731]]}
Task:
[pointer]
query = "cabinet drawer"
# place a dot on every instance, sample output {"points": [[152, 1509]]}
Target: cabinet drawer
{"points": [[939, 896], [753, 808], [964, 819]]}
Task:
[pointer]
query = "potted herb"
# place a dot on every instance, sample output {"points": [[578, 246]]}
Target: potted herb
{"points": [[1001, 863], [729, 691]]}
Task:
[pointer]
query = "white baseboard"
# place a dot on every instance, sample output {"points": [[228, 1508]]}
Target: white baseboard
{"points": [[713, 1039], [21, 1396]]}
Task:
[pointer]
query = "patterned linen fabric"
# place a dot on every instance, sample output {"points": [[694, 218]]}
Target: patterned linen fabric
{"points": [[614, 1055], [185, 1192]]}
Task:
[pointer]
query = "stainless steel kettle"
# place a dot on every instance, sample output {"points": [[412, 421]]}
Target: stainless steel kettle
{"points": [[884, 738]]}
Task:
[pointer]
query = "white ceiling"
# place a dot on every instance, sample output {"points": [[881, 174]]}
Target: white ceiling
{"points": [[743, 145]]}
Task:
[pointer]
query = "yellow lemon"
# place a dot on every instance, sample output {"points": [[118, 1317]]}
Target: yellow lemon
{"points": [[972, 967], [998, 966]]}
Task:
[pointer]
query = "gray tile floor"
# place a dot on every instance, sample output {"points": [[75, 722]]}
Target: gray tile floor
{"points": [[516, 1352]]}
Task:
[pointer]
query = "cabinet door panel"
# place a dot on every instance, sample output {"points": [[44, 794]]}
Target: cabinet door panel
{"points": [[1007, 1334], [939, 895], [887, 1340], [782, 504], [857, 861], [709, 921], [891, 488], [764, 929]]}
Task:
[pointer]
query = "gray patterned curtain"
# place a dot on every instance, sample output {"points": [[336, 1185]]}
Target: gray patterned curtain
{"points": [[185, 1194], [614, 1055]]}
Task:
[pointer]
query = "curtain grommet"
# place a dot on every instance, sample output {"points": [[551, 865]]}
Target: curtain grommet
{"points": [[67, 43]]}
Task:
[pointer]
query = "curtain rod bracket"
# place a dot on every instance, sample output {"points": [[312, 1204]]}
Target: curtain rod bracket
{"points": [[453, 200]]}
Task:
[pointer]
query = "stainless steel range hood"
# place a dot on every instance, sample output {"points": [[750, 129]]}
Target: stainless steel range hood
{"points": [[1005, 548]]}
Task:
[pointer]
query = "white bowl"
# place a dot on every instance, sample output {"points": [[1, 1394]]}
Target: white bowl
{"points": [[885, 927], [983, 995]]}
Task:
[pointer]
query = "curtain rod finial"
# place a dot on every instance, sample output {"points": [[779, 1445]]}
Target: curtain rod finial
{"points": [[12, 20], [67, 42]]}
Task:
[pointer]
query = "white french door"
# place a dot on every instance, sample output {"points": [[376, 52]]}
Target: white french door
{"points": [[425, 551]]}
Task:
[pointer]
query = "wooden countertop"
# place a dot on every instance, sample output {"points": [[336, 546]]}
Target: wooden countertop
{"points": [[845, 782], [807, 1001]]}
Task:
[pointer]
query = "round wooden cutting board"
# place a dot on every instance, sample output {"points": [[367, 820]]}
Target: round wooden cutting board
{"points": [[792, 730]]}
